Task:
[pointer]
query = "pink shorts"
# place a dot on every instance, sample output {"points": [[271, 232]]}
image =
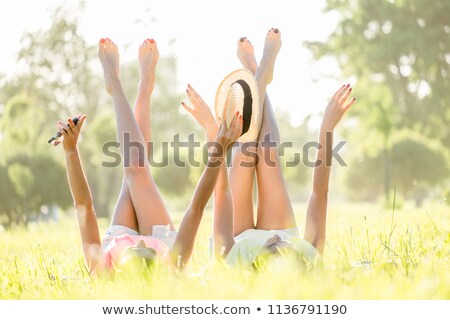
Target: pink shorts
{"points": [[161, 232]]}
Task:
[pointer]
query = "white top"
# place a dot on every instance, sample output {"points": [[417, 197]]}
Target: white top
{"points": [[249, 244]]}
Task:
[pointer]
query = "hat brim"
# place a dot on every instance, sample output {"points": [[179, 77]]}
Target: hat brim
{"points": [[249, 108]]}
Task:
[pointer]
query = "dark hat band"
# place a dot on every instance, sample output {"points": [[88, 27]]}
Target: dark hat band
{"points": [[247, 108]]}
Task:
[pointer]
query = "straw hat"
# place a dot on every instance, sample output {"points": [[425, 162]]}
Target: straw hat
{"points": [[239, 92]]}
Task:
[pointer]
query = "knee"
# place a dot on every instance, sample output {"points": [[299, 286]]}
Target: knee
{"points": [[134, 160]]}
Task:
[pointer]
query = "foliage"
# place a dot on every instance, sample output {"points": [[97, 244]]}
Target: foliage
{"points": [[57, 79], [398, 51], [410, 151]]}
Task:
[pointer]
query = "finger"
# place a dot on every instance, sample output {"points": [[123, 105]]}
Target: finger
{"points": [[61, 130], [345, 96], [66, 127], [342, 92], [81, 121], [194, 96], [338, 92], [193, 92], [349, 104], [186, 107], [239, 125], [70, 124], [63, 126], [235, 120]]}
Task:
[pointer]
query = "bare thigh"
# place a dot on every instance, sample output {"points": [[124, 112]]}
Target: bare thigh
{"points": [[147, 202], [274, 206], [242, 175], [124, 213]]}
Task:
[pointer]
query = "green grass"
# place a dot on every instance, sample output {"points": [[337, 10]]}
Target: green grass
{"points": [[370, 254]]}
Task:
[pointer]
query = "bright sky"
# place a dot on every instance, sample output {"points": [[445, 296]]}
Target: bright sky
{"points": [[203, 35]]}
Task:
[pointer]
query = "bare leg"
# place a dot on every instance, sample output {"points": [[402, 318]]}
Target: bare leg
{"points": [[124, 213], [242, 177], [274, 206], [145, 198]]}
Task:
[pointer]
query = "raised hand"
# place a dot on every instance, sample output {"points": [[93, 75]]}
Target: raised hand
{"points": [[70, 132], [201, 112], [336, 108], [227, 136]]}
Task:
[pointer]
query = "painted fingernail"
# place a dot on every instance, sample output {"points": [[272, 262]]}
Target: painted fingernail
{"points": [[354, 99], [349, 90], [276, 30], [241, 39], [348, 85], [152, 41]]}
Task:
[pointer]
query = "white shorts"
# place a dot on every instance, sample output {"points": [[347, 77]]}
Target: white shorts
{"points": [[283, 233], [161, 232]]}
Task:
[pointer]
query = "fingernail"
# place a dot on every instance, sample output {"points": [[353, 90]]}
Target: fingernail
{"points": [[189, 85], [354, 99], [276, 30], [182, 103], [152, 41], [187, 90], [348, 85], [349, 90], [241, 39]]}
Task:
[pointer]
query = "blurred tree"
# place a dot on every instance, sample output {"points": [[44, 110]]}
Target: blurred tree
{"points": [[55, 68], [418, 166], [33, 178], [55, 79], [400, 54], [8, 197], [411, 151]]}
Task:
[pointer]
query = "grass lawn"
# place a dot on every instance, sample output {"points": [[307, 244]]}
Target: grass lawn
{"points": [[371, 253]]}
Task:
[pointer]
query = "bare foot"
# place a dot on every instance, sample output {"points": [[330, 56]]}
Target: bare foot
{"points": [[246, 55], [148, 57], [109, 58], [271, 48]]}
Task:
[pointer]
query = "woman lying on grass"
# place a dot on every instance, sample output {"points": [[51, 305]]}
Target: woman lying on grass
{"points": [[141, 228], [237, 238]]}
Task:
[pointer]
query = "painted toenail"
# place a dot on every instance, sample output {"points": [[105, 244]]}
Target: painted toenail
{"points": [[102, 40], [241, 39], [152, 41], [276, 30]]}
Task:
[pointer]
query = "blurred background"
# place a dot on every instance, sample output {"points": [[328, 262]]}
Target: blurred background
{"points": [[395, 53]]}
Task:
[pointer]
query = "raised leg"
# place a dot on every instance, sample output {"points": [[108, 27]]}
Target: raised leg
{"points": [[146, 202], [274, 206], [242, 176]]}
